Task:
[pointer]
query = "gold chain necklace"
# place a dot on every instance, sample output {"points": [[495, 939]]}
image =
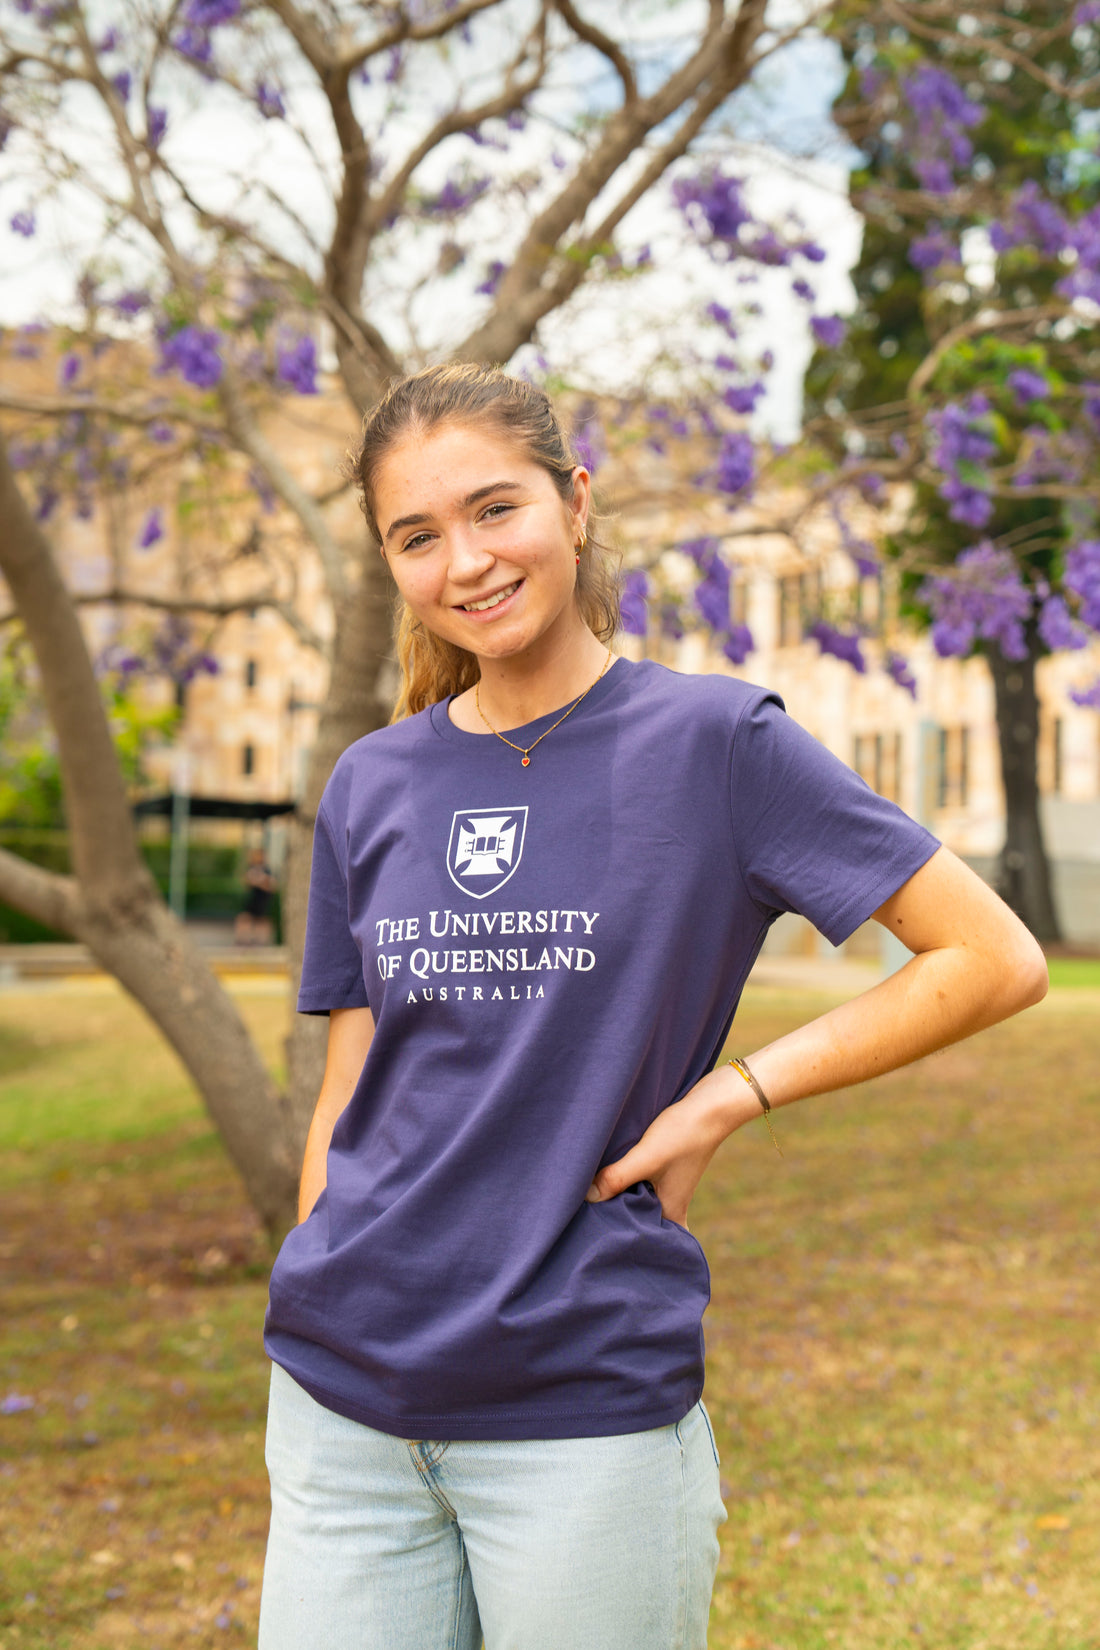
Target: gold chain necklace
{"points": [[525, 752]]}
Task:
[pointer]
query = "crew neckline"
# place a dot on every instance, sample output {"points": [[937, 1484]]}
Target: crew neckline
{"points": [[446, 729]]}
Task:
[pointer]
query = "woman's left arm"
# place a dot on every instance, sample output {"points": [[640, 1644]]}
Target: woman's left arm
{"points": [[974, 963]]}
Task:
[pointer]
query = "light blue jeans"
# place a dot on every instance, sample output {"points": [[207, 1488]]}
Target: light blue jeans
{"points": [[379, 1543]]}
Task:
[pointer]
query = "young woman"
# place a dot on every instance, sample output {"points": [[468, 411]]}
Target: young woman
{"points": [[534, 903]]}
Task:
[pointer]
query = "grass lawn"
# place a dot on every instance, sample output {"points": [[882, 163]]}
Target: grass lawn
{"points": [[903, 1355]]}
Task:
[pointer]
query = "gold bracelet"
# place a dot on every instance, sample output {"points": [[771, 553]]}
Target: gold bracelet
{"points": [[742, 1070]]}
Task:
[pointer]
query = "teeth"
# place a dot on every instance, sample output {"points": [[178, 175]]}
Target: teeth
{"points": [[491, 601]]}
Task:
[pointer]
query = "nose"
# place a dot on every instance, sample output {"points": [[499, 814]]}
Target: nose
{"points": [[470, 558]]}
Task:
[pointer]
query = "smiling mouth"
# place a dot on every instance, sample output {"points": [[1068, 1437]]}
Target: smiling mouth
{"points": [[492, 601]]}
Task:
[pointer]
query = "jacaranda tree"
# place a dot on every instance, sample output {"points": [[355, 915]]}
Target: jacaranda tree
{"points": [[970, 374], [254, 182], [967, 383]]}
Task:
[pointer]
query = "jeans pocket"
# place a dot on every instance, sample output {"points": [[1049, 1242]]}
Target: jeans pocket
{"points": [[710, 1431]]}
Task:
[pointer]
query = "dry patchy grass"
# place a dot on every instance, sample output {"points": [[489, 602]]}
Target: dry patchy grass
{"points": [[902, 1346]]}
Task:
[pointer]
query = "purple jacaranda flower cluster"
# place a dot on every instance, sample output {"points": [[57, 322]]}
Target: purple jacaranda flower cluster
{"points": [[931, 252], [296, 363], [123, 83], [195, 353], [196, 45], [829, 331], [1087, 12], [1084, 280], [484, 139], [633, 611], [156, 125], [1027, 385], [493, 277], [1062, 456], [23, 223], [1082, 579], [714, 206], [269, 101], [738, 644], [210, 14], [735, 466], [161, 432], [152, 530], [1058, 629], [841, 644], [722, 317], [1034, 221], [15, 1403], [108, 42], [174, 655], [897, 668], [456, 195], [670, 621], [712, 598], [712, 593], [943, 115], [861, 550], [131, 303], [741, 398], [984, 599], [69, 370], [1088, 698], [963, 444]]}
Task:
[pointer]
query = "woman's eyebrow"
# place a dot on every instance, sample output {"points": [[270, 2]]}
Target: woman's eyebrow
{"points": [[464, 503]]}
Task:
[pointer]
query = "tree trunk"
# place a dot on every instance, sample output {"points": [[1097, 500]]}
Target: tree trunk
{"points": [[360, 698], [112, 903], [1023, 871]]}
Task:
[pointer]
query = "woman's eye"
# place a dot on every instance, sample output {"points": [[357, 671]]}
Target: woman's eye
{"points": [[416, 541], [495, 511]]}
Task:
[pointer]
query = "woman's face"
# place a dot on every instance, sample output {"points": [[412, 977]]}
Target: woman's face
{"points": [[481, 544]]}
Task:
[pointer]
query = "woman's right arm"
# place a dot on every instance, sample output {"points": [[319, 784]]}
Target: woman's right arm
{"points": [[349, 1035]]}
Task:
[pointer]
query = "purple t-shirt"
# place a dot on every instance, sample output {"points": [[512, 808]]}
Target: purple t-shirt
{"points": [[552, 954]]}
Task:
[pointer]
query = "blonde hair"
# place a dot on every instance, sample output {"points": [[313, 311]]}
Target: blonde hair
{"points": [[464, 393]]}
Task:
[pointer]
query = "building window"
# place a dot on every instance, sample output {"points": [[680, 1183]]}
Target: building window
{"points": [[799, 602], [250, 673], [248, 759], [877, 759], [953, 768], [1051, 754], [869, 603]]}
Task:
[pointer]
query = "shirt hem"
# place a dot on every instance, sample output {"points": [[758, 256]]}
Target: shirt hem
{"points": [[472, 1425]]}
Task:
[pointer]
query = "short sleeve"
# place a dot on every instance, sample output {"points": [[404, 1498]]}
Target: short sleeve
{"points": [[810, 835], [332, 964]]}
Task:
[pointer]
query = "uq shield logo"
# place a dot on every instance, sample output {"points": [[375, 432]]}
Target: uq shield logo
{"points": [[485, 848]]}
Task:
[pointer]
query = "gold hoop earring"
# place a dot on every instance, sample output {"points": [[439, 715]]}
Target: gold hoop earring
{"points": [[584, 539]]}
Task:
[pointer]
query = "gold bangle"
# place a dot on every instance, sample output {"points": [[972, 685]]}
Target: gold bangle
{"points": [[742, 1070]]}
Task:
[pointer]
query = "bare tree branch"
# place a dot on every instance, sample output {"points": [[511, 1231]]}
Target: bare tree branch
{"points": [[119, 596], [525, 294], [251, 439], [994, 46], [458, 120], [592, 36], [59, 406], [49, 897], [990, 320]]}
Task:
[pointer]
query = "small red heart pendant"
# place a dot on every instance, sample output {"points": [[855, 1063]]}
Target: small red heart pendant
{"points": [[525, 761]]}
